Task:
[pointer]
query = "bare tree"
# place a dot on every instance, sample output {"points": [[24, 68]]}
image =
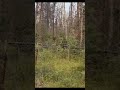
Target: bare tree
{"points": [[53, 20]]}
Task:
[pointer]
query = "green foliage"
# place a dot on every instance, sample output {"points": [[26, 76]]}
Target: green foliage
{"points": [[55, 71], [72, 41]]}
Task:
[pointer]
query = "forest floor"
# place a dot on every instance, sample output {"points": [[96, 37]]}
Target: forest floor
{"points": [[54, 71]]}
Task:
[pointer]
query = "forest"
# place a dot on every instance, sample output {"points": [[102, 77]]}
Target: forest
{"points": [[59, 44]]}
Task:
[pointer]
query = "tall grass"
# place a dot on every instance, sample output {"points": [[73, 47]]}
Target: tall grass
{"points": [[52, 70]]}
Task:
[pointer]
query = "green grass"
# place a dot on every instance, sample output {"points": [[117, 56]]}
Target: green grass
{"points": [[54, 71]]}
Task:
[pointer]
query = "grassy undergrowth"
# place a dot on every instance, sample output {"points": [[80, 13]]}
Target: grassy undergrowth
{"points": [[55, 71]]}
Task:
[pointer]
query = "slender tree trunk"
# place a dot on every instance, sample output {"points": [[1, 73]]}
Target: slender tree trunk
{"points": [[71, 16], [81, 25], [53, 22], [48, 7], [78, 22]]}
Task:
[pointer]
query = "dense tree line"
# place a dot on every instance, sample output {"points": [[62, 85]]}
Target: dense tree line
{"points": [[53, 22]]}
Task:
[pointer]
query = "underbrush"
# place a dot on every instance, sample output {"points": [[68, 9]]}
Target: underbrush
{"points": [[52, 70]]}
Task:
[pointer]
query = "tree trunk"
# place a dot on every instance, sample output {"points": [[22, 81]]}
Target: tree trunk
{"points": [[53, 21], [81, 25]]}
